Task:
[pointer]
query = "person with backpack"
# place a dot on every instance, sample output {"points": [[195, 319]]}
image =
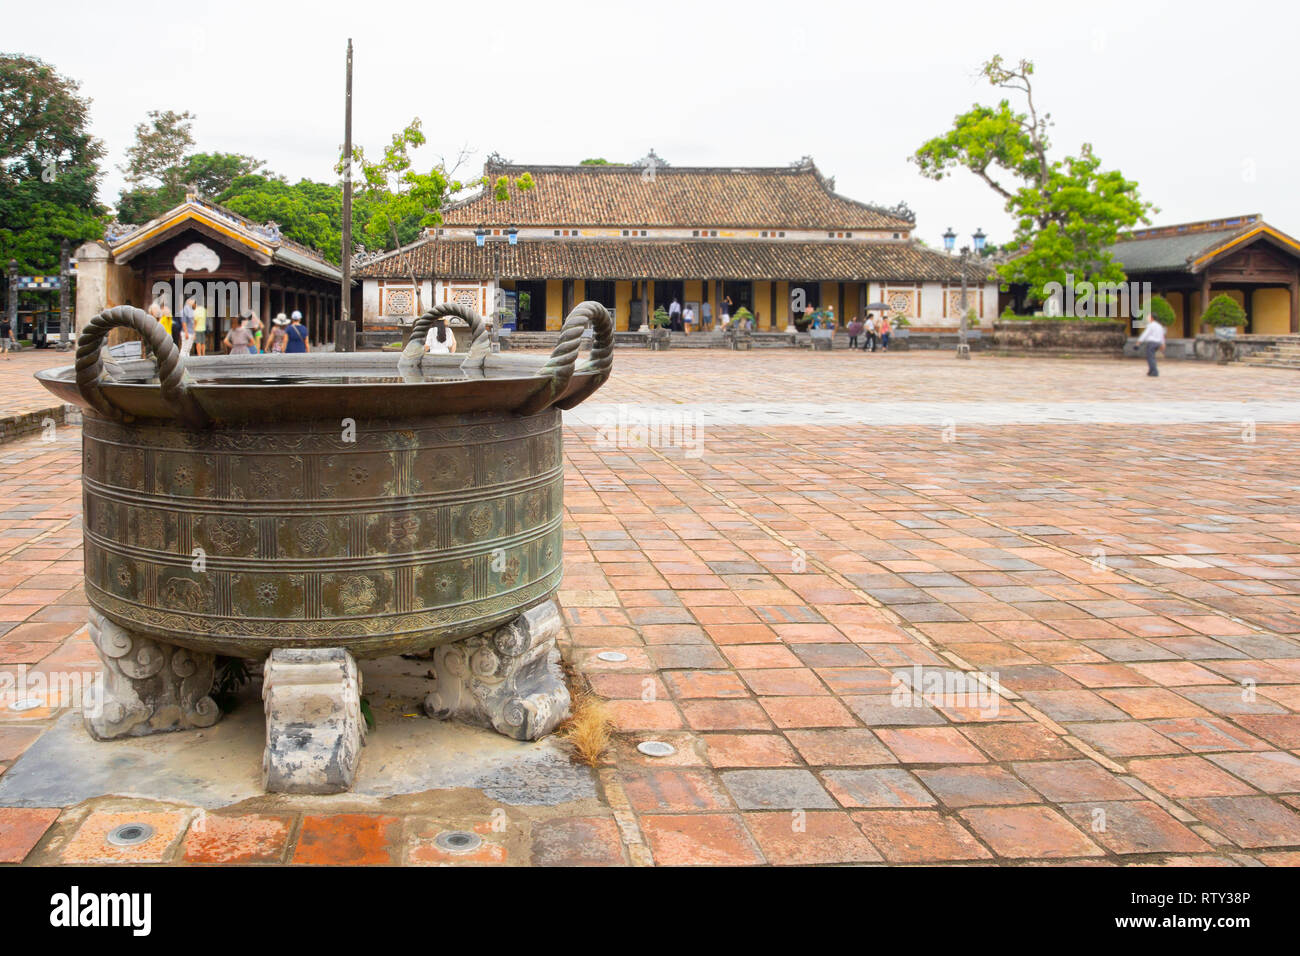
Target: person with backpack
{"points": [[299, 339]]}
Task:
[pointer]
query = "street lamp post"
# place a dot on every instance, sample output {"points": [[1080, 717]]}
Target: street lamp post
{"points": [[480, 239], [949, 240]]}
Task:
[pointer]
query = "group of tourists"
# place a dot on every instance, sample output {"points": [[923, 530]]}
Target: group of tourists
{"points": [[683, 318], [190, 330], [872, 332]]}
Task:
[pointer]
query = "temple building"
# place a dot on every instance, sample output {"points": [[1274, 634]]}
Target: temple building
{"points": [[635, 237], [1191, 263], [234, 266]]}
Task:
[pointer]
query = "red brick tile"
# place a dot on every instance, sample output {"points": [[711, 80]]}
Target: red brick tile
{"points": [[672, 790], [349, 839], [749, 750], [1187, 777], [247, 838], [21, 828], [918, 836], [929, 745], [1029, 832], [699, 839], [807, 838], [790, 712]]}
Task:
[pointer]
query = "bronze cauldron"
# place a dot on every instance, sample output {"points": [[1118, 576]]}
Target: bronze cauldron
{"points": [[323, 507]]}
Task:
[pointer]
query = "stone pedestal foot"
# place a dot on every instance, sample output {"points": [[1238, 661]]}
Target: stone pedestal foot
{"points": [[314, 725], [148, 687], [508, 679]]}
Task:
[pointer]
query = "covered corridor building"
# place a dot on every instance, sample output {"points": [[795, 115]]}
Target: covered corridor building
{"points": [[635, 237]]}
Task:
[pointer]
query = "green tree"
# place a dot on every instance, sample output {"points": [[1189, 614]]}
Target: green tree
{"points": [[49, 164], [160, 145], [308, 212], [209, 174], [1066, 210], [398, 195]]}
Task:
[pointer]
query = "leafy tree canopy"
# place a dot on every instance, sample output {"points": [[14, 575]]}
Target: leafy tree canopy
{"points": [[209, 174], [49, 165], [1067, 210], [308, 212]]}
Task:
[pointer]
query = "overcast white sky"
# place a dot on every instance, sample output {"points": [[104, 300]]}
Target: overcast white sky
{"points": [[1191, 99]]}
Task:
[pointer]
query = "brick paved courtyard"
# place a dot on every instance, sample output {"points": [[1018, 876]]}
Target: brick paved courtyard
{"points": [[1100, 615]]}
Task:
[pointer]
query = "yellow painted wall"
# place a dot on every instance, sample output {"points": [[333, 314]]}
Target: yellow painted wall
{"points": [[554, 304], [579, 291], [850, 301], [622, 304], [830, 296], [693, 290], [1271, 312], [763, 304]]}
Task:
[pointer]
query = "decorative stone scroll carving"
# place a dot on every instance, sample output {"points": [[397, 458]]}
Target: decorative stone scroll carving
{"points": [[314, 725], [508, 679], [149, 687]]}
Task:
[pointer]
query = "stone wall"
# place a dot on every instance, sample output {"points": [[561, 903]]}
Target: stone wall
{"points": [[1057, 337]]}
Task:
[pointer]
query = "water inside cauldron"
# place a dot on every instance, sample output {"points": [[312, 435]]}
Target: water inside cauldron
{"points": [[450, 375]]}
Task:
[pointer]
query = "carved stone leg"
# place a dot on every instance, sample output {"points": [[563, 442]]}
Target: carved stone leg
{"points": [[149, 687], [314, 725], [508, 679]]}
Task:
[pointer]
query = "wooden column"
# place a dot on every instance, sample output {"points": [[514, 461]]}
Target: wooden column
{"points": [[1205, 301], [1294, 287], [839, 312]]}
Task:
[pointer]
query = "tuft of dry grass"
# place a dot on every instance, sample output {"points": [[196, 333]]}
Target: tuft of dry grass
{"points": [[589, 729]]}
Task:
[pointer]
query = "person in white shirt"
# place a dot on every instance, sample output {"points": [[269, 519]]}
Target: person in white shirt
{"points": [[688, 319], [675, 316], [440, 340], [1153, 338], [869, 329]]}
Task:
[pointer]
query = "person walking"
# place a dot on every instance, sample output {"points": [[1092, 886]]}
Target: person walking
{"points": [[855, 329], [706, 317], [7, 341], [870, 343], [299, 340], [239, 340], [1153, 338], [254, 326], [200, 329], [688, 319], [279, 339], [187, 327], [886, 330], [727, 305]]}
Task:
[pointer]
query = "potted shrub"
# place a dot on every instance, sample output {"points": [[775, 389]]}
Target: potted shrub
{"points": [[802, 322], [899, 326], [743, 319], [1224, 316], [1162, 311]]}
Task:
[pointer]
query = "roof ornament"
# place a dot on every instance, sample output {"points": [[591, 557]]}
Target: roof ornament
{"points": [[902, 211], [496, 159], [116, 230], [270, 230], [805, 162]]}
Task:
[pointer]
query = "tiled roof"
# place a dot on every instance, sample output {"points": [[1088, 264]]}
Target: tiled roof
{"points": [[127, 241], [794, 197], [668, 259], [1167, 253]]}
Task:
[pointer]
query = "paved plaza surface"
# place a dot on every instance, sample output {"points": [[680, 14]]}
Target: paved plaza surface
{"points": [[887, 609]]}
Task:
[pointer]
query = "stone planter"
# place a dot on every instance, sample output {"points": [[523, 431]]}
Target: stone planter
{"points": [[1059, 337], [309, 510]]}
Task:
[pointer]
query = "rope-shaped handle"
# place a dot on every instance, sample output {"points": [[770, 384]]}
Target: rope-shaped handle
{"points": [[563, 363], [480, 345], [172, 377]]}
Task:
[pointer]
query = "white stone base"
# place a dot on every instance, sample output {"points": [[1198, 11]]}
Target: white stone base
{"points": [[314, 725]]}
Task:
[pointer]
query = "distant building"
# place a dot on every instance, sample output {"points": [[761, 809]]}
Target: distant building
{"points": [[635, 237], [1244, 257], [231, 264]]}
